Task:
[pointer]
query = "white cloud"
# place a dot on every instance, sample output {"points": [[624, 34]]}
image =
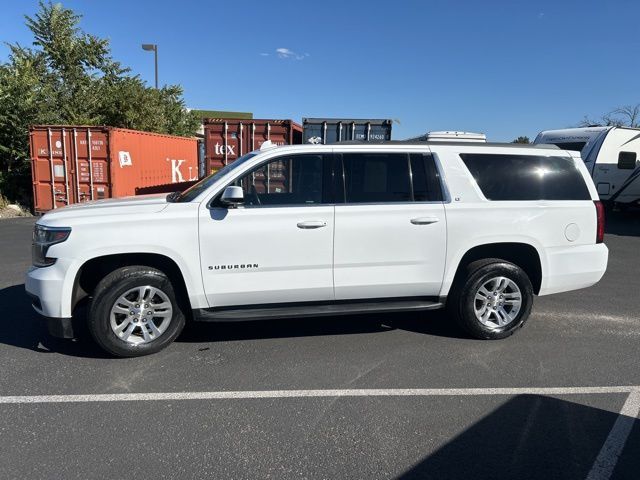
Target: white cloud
{"points": [[264, 54], [286, 53]]}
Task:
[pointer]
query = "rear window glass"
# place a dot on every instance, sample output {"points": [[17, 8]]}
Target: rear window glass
{"points": [[526, 177]]}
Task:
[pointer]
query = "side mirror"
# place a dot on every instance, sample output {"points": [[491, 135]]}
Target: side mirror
{"points": [[232, 196]]}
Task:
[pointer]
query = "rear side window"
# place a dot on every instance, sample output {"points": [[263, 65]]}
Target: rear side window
{"points": [[526, 177], [376, 177], [426, 179]]}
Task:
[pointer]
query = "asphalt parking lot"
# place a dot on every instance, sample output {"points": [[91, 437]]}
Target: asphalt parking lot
{"points": [[384, 396]]}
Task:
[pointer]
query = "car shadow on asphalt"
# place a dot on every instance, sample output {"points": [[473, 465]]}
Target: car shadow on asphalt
{"points": [[433, 323], [625, 224], [22, 327], [531, 437]]}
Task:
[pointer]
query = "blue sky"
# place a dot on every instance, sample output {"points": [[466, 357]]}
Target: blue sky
{"points": [[505, 68]]}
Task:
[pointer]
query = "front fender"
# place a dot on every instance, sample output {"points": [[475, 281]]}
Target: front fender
{"points": [[190, 272]]}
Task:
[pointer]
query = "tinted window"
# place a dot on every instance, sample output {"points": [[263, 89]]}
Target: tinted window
{"points": [[526, 177], [376, 177], [426, 179], [627, 160], [573, 146], [291, 180]]}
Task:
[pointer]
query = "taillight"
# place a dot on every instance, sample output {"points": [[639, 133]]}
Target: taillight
{"points": [[600, 221]]}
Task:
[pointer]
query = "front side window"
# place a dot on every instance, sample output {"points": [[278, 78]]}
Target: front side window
{"points": [[287, 180], [526, 177], [376, 177], [192, 192]]}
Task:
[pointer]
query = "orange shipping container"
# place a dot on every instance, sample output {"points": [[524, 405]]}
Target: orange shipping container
{"points": [[71, 164], [225, 140]]}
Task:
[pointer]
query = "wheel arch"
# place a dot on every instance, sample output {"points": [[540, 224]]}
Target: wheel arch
{"points": [[522, 254], [93, 270]]}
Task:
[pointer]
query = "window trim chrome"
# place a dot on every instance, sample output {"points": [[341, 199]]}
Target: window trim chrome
{"points": [[337, 153]]}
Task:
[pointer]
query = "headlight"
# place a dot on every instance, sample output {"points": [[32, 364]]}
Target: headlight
{"points": [[43, 238]]}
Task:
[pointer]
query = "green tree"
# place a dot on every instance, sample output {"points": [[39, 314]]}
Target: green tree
{"points": [[522, 140], [69, 77]]}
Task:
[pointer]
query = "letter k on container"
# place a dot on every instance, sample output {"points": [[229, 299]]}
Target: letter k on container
{"points": [[73, 164]]}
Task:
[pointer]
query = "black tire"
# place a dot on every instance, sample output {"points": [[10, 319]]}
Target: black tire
{"points": [[110, 289], [461, 301]]}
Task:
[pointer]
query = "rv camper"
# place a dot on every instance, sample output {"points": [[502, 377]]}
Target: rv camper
{"points": [[611, 154]]}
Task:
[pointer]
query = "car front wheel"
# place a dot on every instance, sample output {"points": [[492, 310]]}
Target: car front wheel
{"points": [[135, 312]]}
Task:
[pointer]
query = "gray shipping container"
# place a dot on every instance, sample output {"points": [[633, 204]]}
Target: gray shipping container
{"points": [[332, 130]]}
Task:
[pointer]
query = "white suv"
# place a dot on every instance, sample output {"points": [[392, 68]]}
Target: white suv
{"points": [[313, 230]]}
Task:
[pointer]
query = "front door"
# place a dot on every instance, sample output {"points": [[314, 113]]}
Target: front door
{"points": [[278, 246], [390, 236]]}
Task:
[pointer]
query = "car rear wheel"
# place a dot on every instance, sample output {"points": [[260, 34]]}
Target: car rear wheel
{"points": [[135, 312], [492, 300]]}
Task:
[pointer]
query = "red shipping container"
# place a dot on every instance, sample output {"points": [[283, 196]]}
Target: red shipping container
{"points": [[71, 164], [225, 140]]}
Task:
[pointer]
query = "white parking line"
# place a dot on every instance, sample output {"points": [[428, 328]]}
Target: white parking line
{"points": [[364, 392], [613, 445], [602, 468]]}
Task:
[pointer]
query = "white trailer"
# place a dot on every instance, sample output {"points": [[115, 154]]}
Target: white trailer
{"points": [[611, 154], [450, 136]]}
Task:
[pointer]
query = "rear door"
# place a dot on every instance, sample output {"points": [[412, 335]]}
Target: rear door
{"points": [[390, 230]]}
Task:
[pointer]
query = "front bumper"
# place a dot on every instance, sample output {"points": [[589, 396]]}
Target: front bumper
{"points": [[44, 287], [58, 327]]}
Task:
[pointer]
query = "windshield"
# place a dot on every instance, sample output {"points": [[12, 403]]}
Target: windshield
{"points": [[192, 192]]}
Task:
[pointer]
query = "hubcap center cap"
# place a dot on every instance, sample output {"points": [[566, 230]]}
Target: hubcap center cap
{"points": [[497, 302], [141, 314]]}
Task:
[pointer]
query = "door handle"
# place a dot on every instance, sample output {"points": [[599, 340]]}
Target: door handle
{"points": [[312, 224], [424, 220]]}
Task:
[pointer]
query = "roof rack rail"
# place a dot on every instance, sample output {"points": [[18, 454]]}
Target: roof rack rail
{"points": [[542, 146]]}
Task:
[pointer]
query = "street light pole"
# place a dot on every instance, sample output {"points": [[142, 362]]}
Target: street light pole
{"points": [[154, 48], [155, 58]]}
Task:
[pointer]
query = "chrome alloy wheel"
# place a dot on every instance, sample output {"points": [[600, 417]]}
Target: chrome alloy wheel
{"points": [[497, 302], [141, 315]]}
